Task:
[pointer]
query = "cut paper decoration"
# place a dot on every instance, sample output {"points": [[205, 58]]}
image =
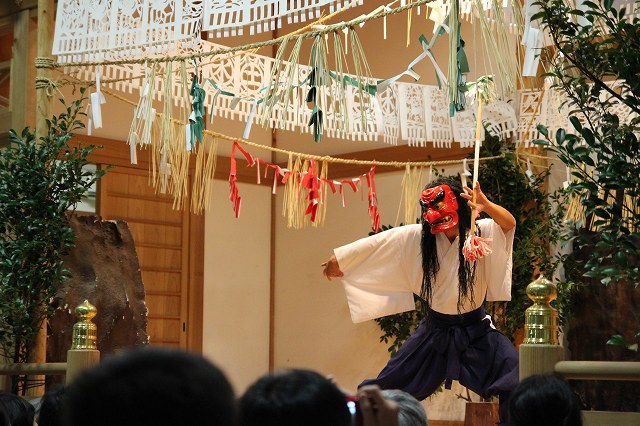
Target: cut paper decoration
{"points": [[465, 168], [97, 30], [223, 18], [236, 83]]}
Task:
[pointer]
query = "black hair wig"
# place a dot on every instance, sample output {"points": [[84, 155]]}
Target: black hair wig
{"points": [[430, 265]]}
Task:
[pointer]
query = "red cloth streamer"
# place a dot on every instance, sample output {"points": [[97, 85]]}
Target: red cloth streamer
{"points": [[312, 183], [476, 247], [234, 196], [373, 200], [331, 184]]}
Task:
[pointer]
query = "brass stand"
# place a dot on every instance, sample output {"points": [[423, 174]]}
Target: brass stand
{"points": [[83, 353], [540, 350]]}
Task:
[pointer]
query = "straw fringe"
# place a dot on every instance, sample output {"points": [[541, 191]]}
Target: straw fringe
{"points": [[339, 93], [411, 188], [205, 169], [362, 72]]}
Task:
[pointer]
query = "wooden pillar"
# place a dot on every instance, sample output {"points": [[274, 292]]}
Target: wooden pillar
{"points": [[43, 50], [19, 72], [539, 359]]}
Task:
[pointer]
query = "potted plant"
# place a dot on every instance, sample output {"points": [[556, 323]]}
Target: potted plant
{"points": [[594, 63], [40, 181]]}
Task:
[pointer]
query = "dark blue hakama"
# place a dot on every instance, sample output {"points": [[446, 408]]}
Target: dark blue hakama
{"points": [[461, 347]]}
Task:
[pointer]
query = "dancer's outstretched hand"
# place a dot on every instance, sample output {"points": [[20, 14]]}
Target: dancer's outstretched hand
{"points": [[331, 268], [482, 202]]}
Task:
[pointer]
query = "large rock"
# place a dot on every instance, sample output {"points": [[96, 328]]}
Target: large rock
{"points": [[105, 271]]}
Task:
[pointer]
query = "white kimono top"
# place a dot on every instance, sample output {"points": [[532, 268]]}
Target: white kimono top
{"points": [[383, 272]]}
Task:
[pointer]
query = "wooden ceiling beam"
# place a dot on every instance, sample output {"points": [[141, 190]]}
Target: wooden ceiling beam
{"points": [[9, 7]]}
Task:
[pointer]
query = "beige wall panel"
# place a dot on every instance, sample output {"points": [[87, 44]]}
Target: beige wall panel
{"points": [[236, 283], [313, 325]]}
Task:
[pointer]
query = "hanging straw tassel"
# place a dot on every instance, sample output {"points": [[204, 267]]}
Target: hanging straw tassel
{"points": [[179, 153], [206, 154], [476, 247], [292, 83], [294, 207], [273, 85], [575, 210], [411, 188], [161, 145], [362, 73], [338, 91], [631, 209]]}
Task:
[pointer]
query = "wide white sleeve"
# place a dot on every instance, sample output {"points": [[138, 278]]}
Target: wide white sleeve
{"points": [[380, 272], [498, 265]]}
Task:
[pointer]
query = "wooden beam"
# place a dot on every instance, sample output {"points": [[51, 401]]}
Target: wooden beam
{"points": [[9, 7]]}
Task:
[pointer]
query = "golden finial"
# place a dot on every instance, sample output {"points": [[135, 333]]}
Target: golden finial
{"points": [[85, 335], [541, 319]]}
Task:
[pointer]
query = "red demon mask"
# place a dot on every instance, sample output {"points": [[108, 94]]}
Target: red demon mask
{"points": [[439, 205]]}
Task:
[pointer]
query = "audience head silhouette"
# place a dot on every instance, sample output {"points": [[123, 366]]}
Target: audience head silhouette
{"points": [[293, 398], [49, 412], [544, 400], [411, 412], [151, 386], [15, 411]]}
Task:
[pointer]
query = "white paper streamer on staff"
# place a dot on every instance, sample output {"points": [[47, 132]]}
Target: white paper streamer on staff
{"points": [[476, 247], [97, 99], [529, 173]]}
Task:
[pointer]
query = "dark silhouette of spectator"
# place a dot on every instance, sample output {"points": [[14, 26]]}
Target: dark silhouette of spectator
{"points": [[303, 397], [544, 400], [151, 386], [411, 413], [49, 411], [16, 411], [293, 398]]}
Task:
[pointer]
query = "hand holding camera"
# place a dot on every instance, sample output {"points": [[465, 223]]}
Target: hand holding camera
{"points": [[372, 409]]}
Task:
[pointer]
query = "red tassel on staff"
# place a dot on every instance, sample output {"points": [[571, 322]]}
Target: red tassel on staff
{"points": [[476, 247]]}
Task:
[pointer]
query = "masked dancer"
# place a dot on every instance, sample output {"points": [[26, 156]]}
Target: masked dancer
{"points": [[456, 340]]}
